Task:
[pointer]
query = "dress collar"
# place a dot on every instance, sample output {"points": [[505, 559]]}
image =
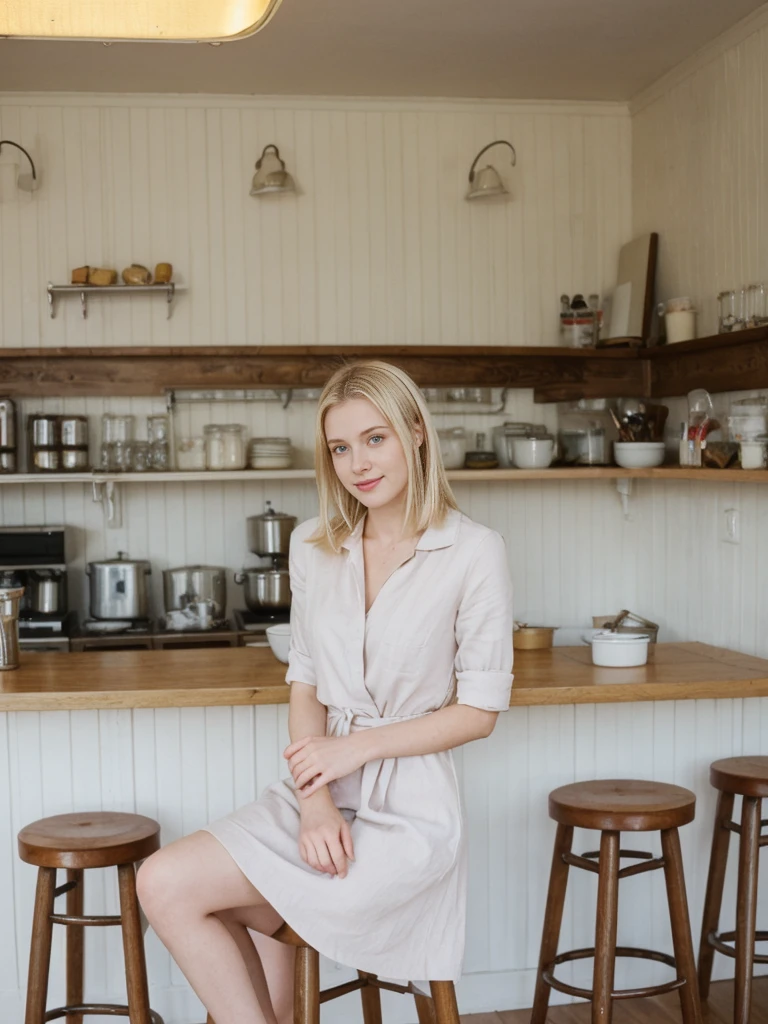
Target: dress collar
{"points": [[442, 536]]}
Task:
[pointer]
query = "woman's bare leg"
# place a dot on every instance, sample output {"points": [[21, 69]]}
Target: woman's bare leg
{"points": [[182, 888], [270, 964]]}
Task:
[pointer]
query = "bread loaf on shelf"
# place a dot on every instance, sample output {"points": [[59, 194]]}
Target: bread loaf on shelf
{"points": [[80, 275], [163, 273], [137, 274], [102, 276]]}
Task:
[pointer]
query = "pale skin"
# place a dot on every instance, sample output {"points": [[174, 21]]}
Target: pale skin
{"points": [[214, 922]]}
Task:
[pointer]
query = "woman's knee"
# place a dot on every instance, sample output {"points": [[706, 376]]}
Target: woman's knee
{"points": [[171, 878]]}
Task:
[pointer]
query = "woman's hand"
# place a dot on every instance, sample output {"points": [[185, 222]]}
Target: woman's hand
{"points": [[325, 839], [317, 760]]}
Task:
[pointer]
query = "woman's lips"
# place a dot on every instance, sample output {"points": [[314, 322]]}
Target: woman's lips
{"points": [[368, 485]]}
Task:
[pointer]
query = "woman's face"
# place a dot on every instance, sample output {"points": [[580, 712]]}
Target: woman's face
{"points": [[366, 452]]}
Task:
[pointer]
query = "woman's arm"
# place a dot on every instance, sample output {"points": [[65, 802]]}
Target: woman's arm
{"points": [[306, 715]]}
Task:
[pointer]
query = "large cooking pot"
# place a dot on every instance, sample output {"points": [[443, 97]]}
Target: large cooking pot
{"points": [[192, 584], [270, 533], [46, 592], [119, 588], [265, 590]]}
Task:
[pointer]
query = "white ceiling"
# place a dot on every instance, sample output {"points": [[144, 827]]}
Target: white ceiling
{"points": [[521, 49]]}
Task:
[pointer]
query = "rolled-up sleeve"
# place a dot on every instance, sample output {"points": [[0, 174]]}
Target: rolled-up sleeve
{"points": [[300, 667], [484, 630]]}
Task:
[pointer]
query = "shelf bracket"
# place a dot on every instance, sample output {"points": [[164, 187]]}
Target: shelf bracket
{"points": [[109, 496], [83, 305], [624, 488]]}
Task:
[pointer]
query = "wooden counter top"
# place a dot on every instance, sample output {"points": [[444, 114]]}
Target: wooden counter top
{"points": [[251, 675]]}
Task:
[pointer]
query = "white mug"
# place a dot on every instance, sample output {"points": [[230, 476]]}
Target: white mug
{"points": [[681, 325]]}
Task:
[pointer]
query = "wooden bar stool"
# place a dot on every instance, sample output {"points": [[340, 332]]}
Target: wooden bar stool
{"points": [[76, 842], [440, 1008], [613, 806], [746, 777]]}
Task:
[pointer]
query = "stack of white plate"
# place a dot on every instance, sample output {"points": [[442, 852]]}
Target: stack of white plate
{"points": [[270, 453]]}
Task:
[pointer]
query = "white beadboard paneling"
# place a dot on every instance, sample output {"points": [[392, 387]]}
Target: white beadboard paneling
{"points": [[378, 247]]}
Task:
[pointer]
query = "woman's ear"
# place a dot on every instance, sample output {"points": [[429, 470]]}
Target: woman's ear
{"points": [[418, 435]]}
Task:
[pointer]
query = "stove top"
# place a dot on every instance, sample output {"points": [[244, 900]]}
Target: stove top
{"points": [[251, 622]]}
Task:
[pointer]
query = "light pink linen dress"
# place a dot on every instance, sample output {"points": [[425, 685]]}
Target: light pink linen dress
{"points": [[441, 626]]}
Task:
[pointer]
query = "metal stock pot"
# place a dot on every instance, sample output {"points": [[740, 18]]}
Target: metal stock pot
{"points": [[265, 590], [119, 588]]}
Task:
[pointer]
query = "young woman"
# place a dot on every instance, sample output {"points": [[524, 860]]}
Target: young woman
{"points": [[401, 649]]}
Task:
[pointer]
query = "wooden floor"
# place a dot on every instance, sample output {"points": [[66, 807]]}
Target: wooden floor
{"points": [[661, 1010]]}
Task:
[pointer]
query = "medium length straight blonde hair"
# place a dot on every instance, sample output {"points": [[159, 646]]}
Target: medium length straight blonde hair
{"points": [[399, 400]]}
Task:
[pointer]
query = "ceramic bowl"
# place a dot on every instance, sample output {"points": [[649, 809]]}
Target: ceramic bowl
{"points": [[638, 454], [618, 650], [533, 452], [279, 637]]}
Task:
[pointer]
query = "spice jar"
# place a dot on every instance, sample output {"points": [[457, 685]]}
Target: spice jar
{"points": [[224, 446]]}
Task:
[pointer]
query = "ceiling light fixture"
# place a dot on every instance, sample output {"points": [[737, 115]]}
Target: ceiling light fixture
{"points": [[26, 182], [179, 21], [271, 177], [487, 181]]}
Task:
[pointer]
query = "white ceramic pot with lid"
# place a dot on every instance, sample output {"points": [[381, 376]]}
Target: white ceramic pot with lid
{"points": [[618, 650]]}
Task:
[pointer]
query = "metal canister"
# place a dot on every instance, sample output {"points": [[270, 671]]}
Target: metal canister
{"points": [[43, 430], [9, 627], [7, 423], [74, 431]]}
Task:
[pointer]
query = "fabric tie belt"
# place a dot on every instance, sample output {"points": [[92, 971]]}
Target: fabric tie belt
{"points": [[342, 721]]}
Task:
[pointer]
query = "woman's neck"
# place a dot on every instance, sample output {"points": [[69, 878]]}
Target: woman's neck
{"points": [[385, 525]]}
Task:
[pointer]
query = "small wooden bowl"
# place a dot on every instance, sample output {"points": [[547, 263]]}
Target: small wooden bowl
{"points": [[533, 638]]}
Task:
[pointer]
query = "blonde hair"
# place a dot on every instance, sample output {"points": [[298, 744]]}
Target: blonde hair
{"points": [[399, 400]]}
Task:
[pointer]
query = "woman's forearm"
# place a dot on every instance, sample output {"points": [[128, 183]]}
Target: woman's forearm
{"points": [[441, 730], [306, 715]]}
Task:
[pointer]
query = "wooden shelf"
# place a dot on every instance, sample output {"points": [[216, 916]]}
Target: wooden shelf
{"points": [[572, 473], [720, 362]]}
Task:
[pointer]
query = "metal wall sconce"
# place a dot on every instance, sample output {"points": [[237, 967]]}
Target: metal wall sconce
{"points": [[26, 182], [487, 181], [271, 177]]}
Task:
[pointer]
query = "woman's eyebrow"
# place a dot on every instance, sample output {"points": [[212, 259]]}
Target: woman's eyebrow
{"points": [[340, 440]]}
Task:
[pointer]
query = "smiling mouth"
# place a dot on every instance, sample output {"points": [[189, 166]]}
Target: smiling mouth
{"points": [[367, 485]]}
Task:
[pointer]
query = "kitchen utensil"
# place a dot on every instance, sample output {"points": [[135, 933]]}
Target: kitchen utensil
{"points": [[279, 637], [618, 650], [627, 622], [533, 452], [480, 458], [194, 584], [118, 588], [532, 638], [74, 431], [638, 454], [265, 589], [9, 626], [270, 532], [46, 592]]}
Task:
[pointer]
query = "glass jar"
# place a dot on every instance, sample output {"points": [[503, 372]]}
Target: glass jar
{"points": [[453, 446], [585, 431], [190, 454], [224, 446], [139, 458], [121, 457], [159, 460], [116, 428], [157, 429]]}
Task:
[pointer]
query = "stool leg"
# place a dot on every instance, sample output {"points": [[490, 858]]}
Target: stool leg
{"points": [[713, 899], [681, 925], [75, 943], [40, 947], [306, 997], [370, 997], [444, 1000], [425, 1009], [746, 907], [133, 947], [605, 928], [553, 919]]}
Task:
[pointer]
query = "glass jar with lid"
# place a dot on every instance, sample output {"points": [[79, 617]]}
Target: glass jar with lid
{"points": [[224, 446], [190, 454], [157, 428], [453, 446], [586, 430]]}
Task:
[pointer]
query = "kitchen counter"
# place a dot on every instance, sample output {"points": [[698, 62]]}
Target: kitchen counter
{"points": [[253, 676]]}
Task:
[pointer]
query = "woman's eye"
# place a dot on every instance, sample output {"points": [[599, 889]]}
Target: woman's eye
{"points": [[375, 437], [339, 449]]}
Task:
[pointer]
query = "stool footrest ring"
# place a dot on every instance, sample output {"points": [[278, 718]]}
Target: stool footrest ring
{"points": [[719, 942], [549, 978], [100, 921], [108, 1009]]}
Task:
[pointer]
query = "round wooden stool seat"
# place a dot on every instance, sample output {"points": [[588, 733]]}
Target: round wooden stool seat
{"points": [[745, 776], [622, 805], [99, 840], [287, 935]]}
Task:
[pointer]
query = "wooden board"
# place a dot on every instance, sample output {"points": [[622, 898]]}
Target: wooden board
{"points": [[252, 675]]}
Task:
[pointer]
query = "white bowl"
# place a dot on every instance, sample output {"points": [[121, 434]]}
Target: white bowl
{"points": [[638, 454], [533, 452], [279, 637], [618, 650]]}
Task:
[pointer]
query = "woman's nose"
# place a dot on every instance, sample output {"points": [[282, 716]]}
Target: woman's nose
{"points": [[360, 460]]}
